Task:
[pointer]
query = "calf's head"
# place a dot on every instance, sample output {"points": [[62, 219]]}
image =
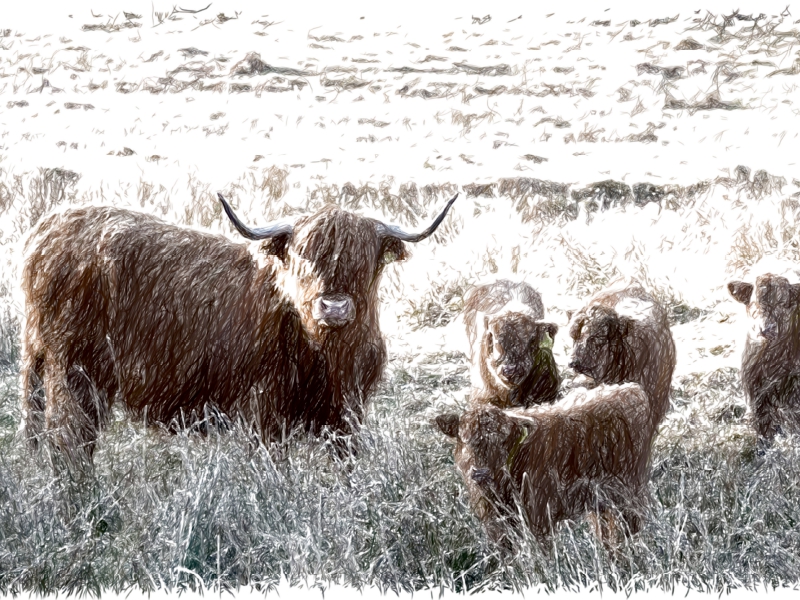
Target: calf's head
{"points": [[601, 349], [332, 261], [774, 310], [487, 442], [513, 346]]}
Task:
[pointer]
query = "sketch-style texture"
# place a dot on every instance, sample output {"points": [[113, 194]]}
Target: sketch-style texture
{"points": [[250, 391], [771, 359], [171, 321], [583, 454], [510, 346]]}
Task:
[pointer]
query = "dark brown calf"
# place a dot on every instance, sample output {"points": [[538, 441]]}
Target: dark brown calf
{"points": [[622, 335], [586, 452], [771, 359]]}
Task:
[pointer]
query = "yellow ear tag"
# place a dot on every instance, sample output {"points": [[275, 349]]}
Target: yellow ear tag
{"points": [[547, 342]]}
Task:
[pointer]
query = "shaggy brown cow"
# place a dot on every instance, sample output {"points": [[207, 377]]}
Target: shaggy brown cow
{"points": [[771, 359], [622, 335], [121, 305], [510, 347], [555, 462]]}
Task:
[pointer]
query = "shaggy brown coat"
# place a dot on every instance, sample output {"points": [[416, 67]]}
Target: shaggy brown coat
{"points": [[622, 335], [510, 347], [122, 306], [587, 451], [771, 359]]}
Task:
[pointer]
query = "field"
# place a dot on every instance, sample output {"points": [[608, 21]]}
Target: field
{"points": [[586, 144]]}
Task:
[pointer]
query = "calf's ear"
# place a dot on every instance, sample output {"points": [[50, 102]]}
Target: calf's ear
{"points": [[576, 327], [741, 291], [448, 424], [551, 329]]}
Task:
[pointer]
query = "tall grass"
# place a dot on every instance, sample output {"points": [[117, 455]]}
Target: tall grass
{"points": [[163, 510]]}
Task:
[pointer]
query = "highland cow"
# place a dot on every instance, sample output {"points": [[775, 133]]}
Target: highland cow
{"points": [[622, 336], [510, 346], [585, 453], [771, 359], [169, 320]]}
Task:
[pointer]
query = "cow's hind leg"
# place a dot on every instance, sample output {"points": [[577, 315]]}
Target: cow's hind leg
{"points": [[33, 398], [74, 413]]}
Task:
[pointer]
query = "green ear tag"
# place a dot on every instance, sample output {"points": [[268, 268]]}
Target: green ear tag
{"points": [[547, 342]]}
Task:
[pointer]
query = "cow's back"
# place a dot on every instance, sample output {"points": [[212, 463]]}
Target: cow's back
{"points": [[184, 317], [590, 438]]}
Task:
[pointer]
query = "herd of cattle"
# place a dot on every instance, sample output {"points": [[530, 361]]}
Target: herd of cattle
{"points": [[121, 306]]}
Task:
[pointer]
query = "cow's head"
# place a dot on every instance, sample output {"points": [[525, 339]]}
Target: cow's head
{"points": [[333, 260], [601, 349], [774, 310], [511, 347]]}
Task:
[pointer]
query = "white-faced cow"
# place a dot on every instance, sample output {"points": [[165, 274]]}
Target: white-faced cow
{"points": [[510, 346], [168, 320]]}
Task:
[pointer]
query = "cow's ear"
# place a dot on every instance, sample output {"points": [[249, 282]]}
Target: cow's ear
{"points": [[448, 424], [576, 328], [625, 327], [741, 291], [393, 249], [277, 246]]}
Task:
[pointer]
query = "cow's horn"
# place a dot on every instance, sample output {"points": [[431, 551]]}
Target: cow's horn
{"points": [[274, 229], [396, 232]]}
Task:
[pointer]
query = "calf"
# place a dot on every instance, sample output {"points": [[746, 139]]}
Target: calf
{"points": [[622, 335], [771, 359], [510, 346], [550, 463]]}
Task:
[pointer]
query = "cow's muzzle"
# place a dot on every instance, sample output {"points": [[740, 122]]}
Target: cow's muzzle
{"points": [[481, 476], [334, 310]]}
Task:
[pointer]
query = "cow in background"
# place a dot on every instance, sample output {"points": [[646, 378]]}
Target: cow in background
{"points": [[771, 359]]}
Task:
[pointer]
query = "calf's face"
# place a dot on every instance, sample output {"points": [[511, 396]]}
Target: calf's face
{"points": [[486, 440], [599, 336], [510, 345], [774, 311]]}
